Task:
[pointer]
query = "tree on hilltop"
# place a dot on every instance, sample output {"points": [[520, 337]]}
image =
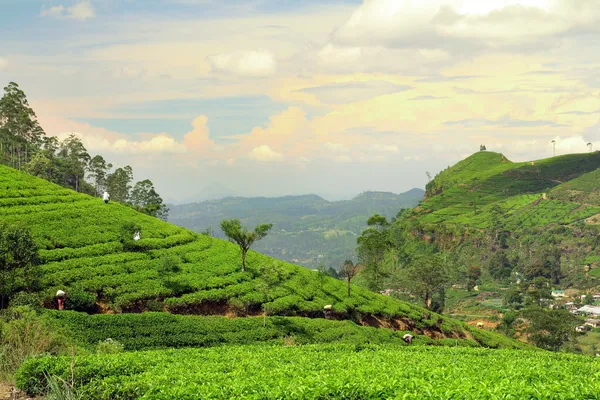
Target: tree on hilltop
{"points": [[235, 232], [20, 132], [145, 198]]}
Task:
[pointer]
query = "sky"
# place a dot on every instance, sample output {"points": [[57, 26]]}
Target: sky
{"points": [[282, 97]]}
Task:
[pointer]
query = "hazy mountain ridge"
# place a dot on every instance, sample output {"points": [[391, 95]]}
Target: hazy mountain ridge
{"points": [[305, 226]]}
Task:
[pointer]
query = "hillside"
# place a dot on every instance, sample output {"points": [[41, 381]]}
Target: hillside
{"points": [[173, 269], [308, 230], [467, 192]]}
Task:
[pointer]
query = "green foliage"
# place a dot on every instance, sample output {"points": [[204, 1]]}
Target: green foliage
{"points": [[550, 329], [118, 184], [20, 131], [428, 275], [145, 199], [80, 300], [18, 261], [86, 247], [324, 371], [109, 346], [242, 237], [23, 334], [59, 389]]}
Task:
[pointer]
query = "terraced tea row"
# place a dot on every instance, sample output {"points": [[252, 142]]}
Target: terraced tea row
{"points": [[323, 371]]}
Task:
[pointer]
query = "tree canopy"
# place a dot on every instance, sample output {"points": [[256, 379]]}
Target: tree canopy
{"points": [[236, 233]]}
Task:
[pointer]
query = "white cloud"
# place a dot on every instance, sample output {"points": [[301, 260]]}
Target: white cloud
{"points": [[265, 153], [80, 11], [343, 159], [350, 92], [438, 30], [56, 12], [257, 63], [335, 147], [391, 148]]}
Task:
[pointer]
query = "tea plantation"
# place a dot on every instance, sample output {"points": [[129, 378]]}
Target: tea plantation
{"points": [[323, 371], [172, 269], [466, 192]]}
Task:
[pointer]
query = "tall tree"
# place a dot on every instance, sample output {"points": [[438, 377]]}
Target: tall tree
{"points": [[372, 246], [118, 184], [98, 170], [144, 197], [426, 276], [236, 233], [18, 259], [73, 161], [550, 329], [20, 132], [348, 271]]}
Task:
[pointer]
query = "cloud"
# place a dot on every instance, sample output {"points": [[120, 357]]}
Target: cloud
{"points": [[427, 97], [343, 159], [592, 134], [80, 11], [259, 63], [198, 140], [438, 33], [441, 78], [577, 144], [264, 153], [351, 92], [503, 122], [580, 112], [335, 147], [392, 148]]}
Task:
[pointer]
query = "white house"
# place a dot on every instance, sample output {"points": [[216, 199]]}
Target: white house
{"points": [[558, 294], [591, 310], [594, 323]]}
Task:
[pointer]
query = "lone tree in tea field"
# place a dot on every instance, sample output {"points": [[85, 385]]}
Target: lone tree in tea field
{"points": [[233, 229]]}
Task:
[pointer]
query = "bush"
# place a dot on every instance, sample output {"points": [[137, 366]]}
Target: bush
{"points": [[24, 334], [32, 300], [109, 346], [80, 300]]}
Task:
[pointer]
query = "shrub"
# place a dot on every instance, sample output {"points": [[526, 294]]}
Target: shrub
{"points": [[109, 346], [80, 300], [24, 334]]}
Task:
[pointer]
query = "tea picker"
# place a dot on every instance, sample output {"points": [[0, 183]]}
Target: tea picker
{"points": [[106, 197], [60, 298], [408, 338]]}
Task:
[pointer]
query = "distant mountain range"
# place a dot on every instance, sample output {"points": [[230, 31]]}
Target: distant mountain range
{"points": [[307, 230]]}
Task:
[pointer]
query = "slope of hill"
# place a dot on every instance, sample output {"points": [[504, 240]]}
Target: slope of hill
{"points": [[173, 269], [308, 230], [467, 192]]}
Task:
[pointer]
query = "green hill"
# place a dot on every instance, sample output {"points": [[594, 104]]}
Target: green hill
{"points": [[466, 193], [308, 230], [84, 252]]}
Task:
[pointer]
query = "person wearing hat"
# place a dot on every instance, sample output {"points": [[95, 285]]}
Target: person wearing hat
{"points": [[60, 298], [408, 338]]}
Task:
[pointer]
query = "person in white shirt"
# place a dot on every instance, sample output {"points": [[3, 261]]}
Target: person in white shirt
{"points": [[106, 196]]}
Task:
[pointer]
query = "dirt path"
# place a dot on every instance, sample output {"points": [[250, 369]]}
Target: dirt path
{"points": [[7, 392]]}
